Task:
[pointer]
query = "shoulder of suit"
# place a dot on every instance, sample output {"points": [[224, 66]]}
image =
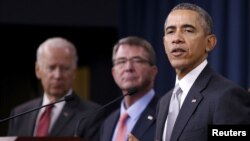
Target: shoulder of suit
{"points": [[28, 105]]}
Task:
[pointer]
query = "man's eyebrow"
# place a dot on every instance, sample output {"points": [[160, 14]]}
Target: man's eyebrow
{"points": [[188, 26], [170, 27], [183, 26]]}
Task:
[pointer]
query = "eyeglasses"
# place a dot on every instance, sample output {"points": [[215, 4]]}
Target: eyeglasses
{"points": [[136, 61]]}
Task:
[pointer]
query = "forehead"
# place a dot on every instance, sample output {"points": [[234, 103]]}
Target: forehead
{"points": [[52, 50], [127, 50], [181, 17], [54, 54]]}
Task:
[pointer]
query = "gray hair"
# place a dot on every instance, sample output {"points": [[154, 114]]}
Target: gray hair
{"points": [[137, 42], [56, 42], [207, 21]]}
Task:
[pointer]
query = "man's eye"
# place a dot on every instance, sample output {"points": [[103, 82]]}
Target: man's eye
{"points": [[51, 68], [189, 30], [65, 68], [138, 61], [169, 31], [120, 62]]}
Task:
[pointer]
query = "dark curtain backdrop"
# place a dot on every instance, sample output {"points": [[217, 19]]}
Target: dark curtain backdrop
{"points": [[231, 57]]}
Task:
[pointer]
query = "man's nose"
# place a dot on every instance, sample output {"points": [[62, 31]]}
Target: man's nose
{"points": [[57, 72], [129, 65], [178, 37]]}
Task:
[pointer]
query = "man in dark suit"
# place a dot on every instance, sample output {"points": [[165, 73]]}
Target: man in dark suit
{"points": [[206, 97], [56, 66], [133, 67]]}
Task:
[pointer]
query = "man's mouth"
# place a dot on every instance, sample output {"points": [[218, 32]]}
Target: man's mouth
{"points": [[178, 51]]}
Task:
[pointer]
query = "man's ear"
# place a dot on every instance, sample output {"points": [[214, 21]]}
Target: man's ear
{"points": [[37, 70], [211, 42]]}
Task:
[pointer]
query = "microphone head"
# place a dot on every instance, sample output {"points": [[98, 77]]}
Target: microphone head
{"points": [[132, 91], [68, 98]]}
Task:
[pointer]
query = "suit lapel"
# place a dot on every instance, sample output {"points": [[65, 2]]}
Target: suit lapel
{"points": [[191, 102], [163, 115], [62, 120], [194, 97], [66, 114], [146, 120], [31, 119], [112, 124], [31, 123]]}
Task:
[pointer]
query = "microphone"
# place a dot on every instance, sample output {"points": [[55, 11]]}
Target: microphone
{"points": [[130, 92], [66, 99]]}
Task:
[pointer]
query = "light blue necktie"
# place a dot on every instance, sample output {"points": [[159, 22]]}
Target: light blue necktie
{"points": [[173, 111]]}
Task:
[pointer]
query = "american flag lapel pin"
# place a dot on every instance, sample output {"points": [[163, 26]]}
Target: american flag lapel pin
{"points": [[66, 114], [150, 117], [193, 100]]}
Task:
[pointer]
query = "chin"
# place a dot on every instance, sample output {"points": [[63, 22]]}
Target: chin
{"points": [[128, 87], [177, 64], [58, 93]]}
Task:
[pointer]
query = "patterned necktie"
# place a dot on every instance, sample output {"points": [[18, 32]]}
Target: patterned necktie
{"points": [[122, 128], [173, 111], [44, 122]]}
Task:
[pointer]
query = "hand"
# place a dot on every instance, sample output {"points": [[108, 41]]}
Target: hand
{"points": [[131, 137]]}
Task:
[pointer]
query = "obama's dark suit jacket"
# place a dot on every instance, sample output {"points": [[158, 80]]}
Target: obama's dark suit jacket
{"points": [[211, 100]]}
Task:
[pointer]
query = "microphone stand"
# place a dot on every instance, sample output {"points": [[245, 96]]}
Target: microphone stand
{"points": [[130, 92], [67, 98]]}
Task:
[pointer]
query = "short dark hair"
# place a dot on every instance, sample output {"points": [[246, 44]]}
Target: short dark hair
{"points": [[206, 18], [137, 42]]}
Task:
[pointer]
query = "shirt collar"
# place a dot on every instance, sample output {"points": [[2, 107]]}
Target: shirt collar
{"points": [[46, 99], [135, 110], [188, 80]]}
